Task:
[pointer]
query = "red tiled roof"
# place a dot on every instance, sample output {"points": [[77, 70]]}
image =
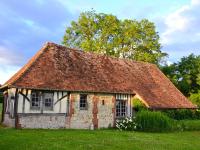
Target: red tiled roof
{"points": [[56, 67]]}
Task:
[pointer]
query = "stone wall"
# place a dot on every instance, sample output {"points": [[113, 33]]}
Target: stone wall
{"points": [[8, 121], [99, 113], [42, 121], [105, 111], [80, 119]]}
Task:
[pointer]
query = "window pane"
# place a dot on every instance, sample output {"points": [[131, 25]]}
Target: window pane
{"points": [[35, 100], [48, 100], [83, 101], [120, 108]]}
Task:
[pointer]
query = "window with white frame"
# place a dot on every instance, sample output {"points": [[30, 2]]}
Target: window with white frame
{"points": [[41, 100], [120, 108], [48, 101], [83, 101], [121, 105], [35, 100]]}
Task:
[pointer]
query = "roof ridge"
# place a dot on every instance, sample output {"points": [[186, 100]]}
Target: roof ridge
{"points": [[97, 54]]}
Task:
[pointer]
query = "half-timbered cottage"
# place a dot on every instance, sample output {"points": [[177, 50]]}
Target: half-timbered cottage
{"points": [[67, 88]]}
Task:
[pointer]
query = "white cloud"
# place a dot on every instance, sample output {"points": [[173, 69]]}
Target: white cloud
{"points": [[9, 63], [195, 2], [9, 57], [181, 24], [6, 72]]}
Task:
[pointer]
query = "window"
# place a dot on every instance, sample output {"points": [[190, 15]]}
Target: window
{"points": [[41, 100], [103, 103], [120, 108], [121, 105], [35, 100], [83, 101], [48, 101]]}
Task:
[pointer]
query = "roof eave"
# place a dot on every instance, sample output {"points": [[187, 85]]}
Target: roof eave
{"points": [[4, 87], [82, 91], [172, 108]]}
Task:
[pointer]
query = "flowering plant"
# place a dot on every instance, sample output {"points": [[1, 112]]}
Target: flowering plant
{"points": [[127, 123]]}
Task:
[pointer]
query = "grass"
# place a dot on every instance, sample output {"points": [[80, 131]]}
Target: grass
{"points": [[0, 110], [12, 139], [190, 125]]}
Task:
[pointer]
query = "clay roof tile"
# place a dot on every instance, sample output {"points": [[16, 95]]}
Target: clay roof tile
{"points": [[56, 67]]}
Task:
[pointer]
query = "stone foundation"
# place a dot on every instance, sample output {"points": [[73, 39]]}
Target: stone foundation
{"points": [[8, 121], [44, 121]]}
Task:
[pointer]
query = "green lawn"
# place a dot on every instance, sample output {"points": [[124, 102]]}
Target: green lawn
{"points": [[11, 139], [0, 110]]}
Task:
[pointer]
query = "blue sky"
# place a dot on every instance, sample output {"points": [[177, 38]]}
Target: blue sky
{"points": [[26, 25]]}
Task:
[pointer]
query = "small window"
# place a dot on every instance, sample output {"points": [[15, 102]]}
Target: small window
{"points": [[35, 100], [83, 101], [48, 101], [103, 102]]}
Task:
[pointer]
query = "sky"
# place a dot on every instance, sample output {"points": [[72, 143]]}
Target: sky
{"points": [[26, 25]]}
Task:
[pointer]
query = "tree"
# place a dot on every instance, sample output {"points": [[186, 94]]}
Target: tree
{"points": [[185, 74], [106, 34], [195, 98]]}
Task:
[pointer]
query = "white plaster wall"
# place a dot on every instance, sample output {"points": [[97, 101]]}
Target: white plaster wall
{"points": [[20, 103], [8, 121], [129, 105], [56, 107], [27, 103]]}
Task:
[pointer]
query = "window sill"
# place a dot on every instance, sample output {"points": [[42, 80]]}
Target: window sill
{"points": [[33, 108], [83, 109], [120, 117], [47, 109]]}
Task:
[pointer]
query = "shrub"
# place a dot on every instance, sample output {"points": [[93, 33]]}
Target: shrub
{"points": [[182, 114], [189, 125], [138, 105], [153, 121], [156, 122], [126, 124]]}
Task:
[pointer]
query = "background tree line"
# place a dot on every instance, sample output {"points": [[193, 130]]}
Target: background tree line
{"points": [[185, 75], [132, 39]]}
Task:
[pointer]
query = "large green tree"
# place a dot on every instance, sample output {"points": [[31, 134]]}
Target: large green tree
{"points": [[106, 34], [185, 74]]}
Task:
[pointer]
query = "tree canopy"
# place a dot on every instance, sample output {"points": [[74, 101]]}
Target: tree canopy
{"points": [[106, 34], [185, 74]]}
